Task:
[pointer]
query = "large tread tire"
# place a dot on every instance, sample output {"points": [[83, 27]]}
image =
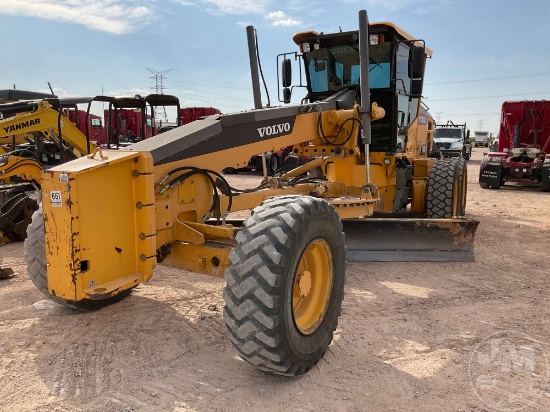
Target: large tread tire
{"points": [[258, 295], [545, 179], [273, 164], [35, 258], [443, 194]]}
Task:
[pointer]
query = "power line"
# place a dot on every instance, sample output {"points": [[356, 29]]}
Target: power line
{"points": [[473, 114], [491, 78], [215, 103], [159, 88], [219, 96], [486, 97], [208, 85]]}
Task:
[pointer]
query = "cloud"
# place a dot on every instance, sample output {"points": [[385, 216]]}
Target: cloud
{"points": [[128, 92], [287, 22], [275, 15], [278, 19], [59, 92], [112, 16]]}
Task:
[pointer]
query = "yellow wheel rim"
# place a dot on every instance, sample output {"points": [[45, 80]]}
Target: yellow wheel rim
{"points": [[456, 199], [312, 286], [464, 190]]}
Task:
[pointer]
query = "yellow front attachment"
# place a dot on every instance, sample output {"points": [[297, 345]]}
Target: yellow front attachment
{"points": [[99, 217], [312, 286]]}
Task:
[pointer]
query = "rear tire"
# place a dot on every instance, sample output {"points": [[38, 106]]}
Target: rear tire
{"points": [[273, 164], [546, 179], [285, 285], [35, 258], [444, 189], [21, 205], [230, 171]]}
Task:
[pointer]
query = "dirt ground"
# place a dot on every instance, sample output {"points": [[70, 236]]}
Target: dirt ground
{"points": [[412, 336]]}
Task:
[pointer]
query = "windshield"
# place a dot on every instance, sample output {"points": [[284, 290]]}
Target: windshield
{"points": [[334, 67], [453, 133]]}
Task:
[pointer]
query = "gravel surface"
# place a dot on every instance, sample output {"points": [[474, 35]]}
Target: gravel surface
{"points": [[412, 336]]}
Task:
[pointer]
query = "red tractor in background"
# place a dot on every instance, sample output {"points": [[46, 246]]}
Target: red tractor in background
{"points": [[94, 129], [523, 153], [190, 114]]}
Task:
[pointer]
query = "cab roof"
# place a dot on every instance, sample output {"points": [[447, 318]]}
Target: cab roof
{"points": [[298, 37]]}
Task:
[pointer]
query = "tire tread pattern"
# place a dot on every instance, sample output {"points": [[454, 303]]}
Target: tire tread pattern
{"points": [[253, 302], [440, 187]]}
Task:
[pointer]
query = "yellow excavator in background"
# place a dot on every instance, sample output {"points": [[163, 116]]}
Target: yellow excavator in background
{"points": [[41, 134], [50, 139], [106, 220]]}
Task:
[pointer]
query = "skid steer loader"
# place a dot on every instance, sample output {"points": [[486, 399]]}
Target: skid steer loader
{"points": [[106, 220]]}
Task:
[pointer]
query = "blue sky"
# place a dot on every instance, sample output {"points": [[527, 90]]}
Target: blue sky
{"points": [[484, 51]]}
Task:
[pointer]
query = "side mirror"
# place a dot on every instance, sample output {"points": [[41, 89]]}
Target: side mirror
{"points": [[287, 93], [468, 134], [286, 73], [417, 59], [401, 118], [416, 87]]}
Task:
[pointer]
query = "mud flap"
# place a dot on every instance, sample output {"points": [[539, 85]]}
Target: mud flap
{"points": [[546, 177], [410, 240], [491, 174]]}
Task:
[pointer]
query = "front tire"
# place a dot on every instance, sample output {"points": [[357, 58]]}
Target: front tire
{"points": [[286, 284], [35, 258], [445, 189]]}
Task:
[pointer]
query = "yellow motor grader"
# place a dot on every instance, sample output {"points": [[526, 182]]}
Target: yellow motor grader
{"points": [[107, 219]]}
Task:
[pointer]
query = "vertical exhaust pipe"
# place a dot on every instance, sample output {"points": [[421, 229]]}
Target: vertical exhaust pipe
{"points": [[254, 74], [254, 66], [365, 108]]}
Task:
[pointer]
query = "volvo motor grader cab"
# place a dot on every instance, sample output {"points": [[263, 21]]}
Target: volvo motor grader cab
{"points": [[107, 220]]}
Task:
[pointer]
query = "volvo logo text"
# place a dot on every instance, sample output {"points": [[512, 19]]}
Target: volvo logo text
{"points": [[274, 130]]}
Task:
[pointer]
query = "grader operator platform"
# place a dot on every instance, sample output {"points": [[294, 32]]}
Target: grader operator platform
{"points": [[107, 220]]}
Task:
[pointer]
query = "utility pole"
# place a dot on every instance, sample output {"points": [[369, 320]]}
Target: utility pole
{"points": [[159, 88], [480, 125]]}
